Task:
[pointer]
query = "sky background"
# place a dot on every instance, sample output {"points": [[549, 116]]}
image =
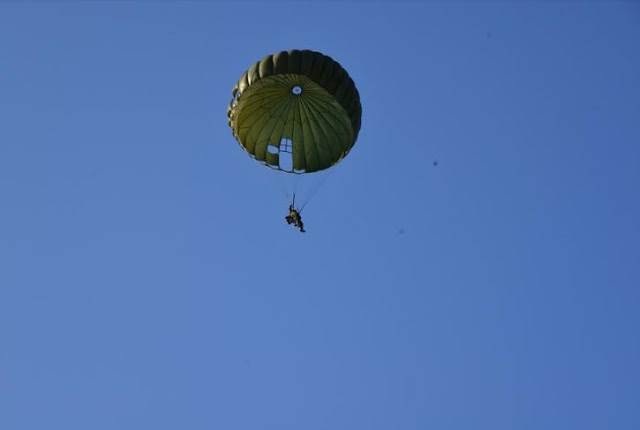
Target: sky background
{"points": [[148, 279]]}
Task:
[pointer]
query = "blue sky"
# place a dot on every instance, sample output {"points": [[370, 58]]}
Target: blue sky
{"points": [[148, 279]]}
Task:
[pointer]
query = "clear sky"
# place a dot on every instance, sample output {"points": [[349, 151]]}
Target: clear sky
{"points": [[148, 279]]}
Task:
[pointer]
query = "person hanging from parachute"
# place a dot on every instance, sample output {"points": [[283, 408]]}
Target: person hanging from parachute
{"points": [[294, 216], [297, 112]]}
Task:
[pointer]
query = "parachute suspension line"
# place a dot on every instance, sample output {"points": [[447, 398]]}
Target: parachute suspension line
{"points": [[284, 190], [317, 186], [296, 181]]}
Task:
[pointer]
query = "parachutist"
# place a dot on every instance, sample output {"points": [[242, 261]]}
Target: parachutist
{"points": [[294, 218]]}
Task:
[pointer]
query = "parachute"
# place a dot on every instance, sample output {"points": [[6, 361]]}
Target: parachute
{"points": [[296, 111]]}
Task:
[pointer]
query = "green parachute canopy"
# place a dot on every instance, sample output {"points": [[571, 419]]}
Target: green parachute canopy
{"points": [[296, 111]]}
